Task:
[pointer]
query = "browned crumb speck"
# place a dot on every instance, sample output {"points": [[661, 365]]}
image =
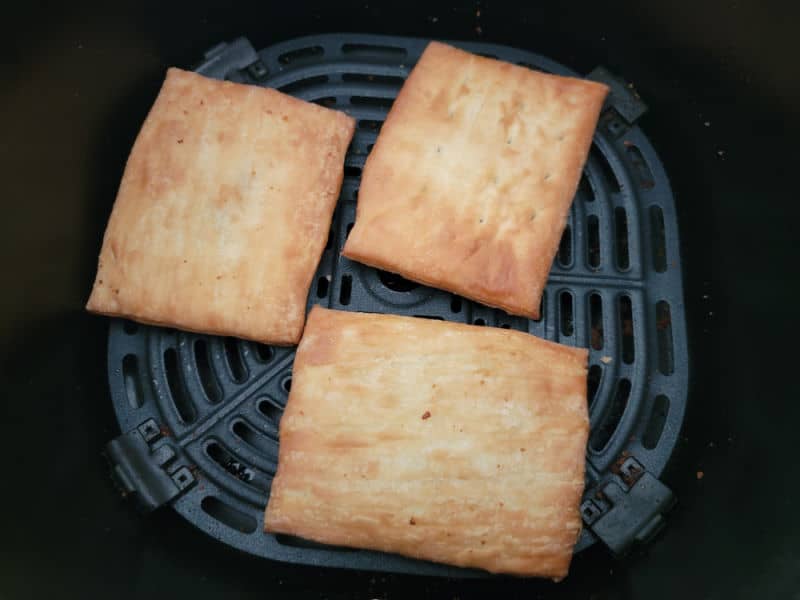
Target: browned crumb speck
{"points": [[411, 521], [426, 415]]}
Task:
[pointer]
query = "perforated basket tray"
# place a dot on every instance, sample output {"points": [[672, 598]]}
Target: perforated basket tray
{"points": [[200, 413]]}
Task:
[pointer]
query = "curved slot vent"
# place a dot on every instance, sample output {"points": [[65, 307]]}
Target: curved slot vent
{"points": [[368, 78], [659, 239], [621, 238], [655, 426], [566, 315], [209, 382], [455, 304], [541, 308], [626, 329], [130, 374], [301, 54], [263, 352], [610, 180], [585, 191], [593, 383], [396, 283], [370, 125], [372, 101], [322, 287], [603, 433], [296, 542], [300, 84], [374, 51], [596, 321], [260, 443], [593, 241], [230, 516], [180, 397], [234, 358], [666, 358], [346, 289], [270, 409], [226, 460], [286, 384], [565, 248], [327, 101], [640, 168]]}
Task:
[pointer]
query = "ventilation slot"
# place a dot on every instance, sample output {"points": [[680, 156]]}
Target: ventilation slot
{"points": [[455, 304], [226, 514], [593, 241], [368, 125], [643, 173], [322, 287], [180, 398], [666, 359], [626, 323], [130, 374], [565, 248], [480, 322], [296, 542], [263, 352], [602, 435], [230, 463], [367, 78], [234, 358], [431, 317], [372, 101], [345, 290], [286, 384], [352, 171], [395, 282], [130, 327], [257, 441], [605, 171], [596, 321], [585, 191], [204, 371], [659, 239], [301, 54], [593, 382], [327, 101], [541, 309], [565, 312], [621, 232], [300, 84], [355, 194], [270, 409], [655, 426], [374, 51]]}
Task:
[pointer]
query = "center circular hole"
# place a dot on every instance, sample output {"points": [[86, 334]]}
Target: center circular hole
{"points": [[396, 282]]}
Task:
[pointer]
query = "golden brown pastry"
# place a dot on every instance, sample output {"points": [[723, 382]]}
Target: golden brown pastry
{"points": [[441, 441], [469, 184], [223, 211]]}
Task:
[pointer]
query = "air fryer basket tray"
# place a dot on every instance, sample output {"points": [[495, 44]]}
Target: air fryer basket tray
{"points": [[200, 414]]}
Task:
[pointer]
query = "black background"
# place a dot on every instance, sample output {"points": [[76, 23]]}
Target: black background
{"points": [[721, 79]]}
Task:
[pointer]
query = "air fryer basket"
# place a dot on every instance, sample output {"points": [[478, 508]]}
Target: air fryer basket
{"points": [[200, 414]]}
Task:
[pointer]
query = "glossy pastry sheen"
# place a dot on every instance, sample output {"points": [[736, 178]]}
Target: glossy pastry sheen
{"points": [[469, 184], [223, 211], [441, 441]]}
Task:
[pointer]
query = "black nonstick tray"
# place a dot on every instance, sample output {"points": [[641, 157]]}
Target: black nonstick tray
{"points": [[199, 414]]}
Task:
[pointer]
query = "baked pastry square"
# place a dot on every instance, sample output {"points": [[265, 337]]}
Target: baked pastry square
{"points": [[469, 184], [223, 211], [448, 442]]}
